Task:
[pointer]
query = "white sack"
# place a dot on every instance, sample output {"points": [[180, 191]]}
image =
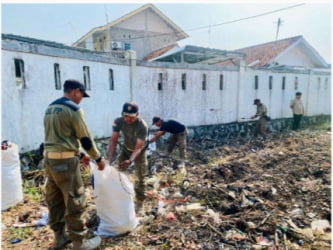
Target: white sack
{"points": [[114, 195], [11, 181]]}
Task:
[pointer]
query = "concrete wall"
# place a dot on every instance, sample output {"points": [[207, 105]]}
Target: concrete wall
{"points": [[23, 109]]}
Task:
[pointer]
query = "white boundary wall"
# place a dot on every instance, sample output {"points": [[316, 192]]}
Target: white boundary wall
{"points": [[23, 109]]}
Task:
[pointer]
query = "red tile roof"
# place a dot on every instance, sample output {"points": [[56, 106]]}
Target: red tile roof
{"points": [[264, 52], [159, 52], [267, 51]]}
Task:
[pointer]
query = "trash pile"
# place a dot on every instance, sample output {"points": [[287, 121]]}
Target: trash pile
{"points": [[243, 195]]}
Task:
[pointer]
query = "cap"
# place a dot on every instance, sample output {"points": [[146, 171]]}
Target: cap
{"points": [[298, 93], [156, 119], [75, 84], [130, 109], [256, 101]]}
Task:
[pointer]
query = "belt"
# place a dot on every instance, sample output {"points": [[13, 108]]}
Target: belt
{"points": [[59, 155]]}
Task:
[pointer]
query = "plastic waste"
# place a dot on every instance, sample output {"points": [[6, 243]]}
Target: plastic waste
{"points": [[15, 241], [44, 220]]}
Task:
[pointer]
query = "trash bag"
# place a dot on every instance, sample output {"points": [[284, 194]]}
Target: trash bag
{"points": [[114, 195], [11, 181]]}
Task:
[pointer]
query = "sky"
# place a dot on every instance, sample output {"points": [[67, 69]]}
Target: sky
{"points": [[66, 23]]}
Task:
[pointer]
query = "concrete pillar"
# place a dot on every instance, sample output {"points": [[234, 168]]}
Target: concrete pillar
{"points": [[131, 56], [240, 87], [307, 107]]}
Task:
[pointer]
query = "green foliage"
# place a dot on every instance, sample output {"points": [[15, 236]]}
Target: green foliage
{"points": [[19, 233], [33, 192]]}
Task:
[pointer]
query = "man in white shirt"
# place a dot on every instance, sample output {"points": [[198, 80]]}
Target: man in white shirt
{"points": [[298, 110]]}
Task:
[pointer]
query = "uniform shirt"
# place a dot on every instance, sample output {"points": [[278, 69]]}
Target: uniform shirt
{"points": [[131, 132], [172, 126], [261, 110], [64, 126], [297, 106]]}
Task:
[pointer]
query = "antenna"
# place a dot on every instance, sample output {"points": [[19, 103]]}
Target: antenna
{"points": [[279, 23], [106, 14]]}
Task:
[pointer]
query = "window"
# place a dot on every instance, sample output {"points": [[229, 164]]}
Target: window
{"points": [[319, 82], [296, 83], [111, 80], [19, 73], [221, 82], [57, 79], [283, 82], [204, 82], [86, 77], [326, 82], [160, 81], [184, 81], [127, 46], [256, 82], [270, 83]]}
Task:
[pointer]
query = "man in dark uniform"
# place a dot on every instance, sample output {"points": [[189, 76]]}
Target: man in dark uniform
{"points": [[135, 131], [65, 131], [261, 124], [178, 135]]}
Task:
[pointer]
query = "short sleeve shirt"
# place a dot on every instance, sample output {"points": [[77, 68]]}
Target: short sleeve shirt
{"points": [[64, 126], [172, 126], [131, 132]]}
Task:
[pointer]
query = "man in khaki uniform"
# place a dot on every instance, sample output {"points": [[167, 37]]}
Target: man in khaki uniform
{"points": [[135, 131], [65, 130], [178, 135], [298, 110], [261, 124]]}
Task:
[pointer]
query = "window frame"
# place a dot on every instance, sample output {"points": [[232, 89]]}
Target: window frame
{"points": [[283, 87], [57, 76], [221, 81], [160, 82], [204, 82], [296, 83], [111, 79], [270, 82], [19, 68], [86, 77], [256, 82], [183, 81]]}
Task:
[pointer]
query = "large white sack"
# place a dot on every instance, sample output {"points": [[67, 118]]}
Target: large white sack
{"points": [[114, 195], [11, 181]]}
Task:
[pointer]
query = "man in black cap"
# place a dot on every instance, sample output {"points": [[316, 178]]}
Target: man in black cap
{"points": [[65, 132], [262, 122], [178, 135], [135, 131]]}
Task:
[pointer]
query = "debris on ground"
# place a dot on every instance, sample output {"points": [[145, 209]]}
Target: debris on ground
{"points": [[247, 194]]}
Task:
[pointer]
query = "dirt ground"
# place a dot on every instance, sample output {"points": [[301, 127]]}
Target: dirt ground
{"points": [[241, 195]]}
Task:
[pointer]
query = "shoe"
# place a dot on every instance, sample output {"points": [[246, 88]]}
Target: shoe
{"points": [[87, 244], [61, 239]]}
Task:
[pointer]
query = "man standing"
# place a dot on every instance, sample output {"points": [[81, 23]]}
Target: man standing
{"points": [[178, 135], [135, 131], [262, 122], [298, 110], [65, 130]]}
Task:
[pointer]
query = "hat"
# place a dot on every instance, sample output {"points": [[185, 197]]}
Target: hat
{"points": [[298, 93], [256, 101], [156, 119], [130, 109], [75, 84]]}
